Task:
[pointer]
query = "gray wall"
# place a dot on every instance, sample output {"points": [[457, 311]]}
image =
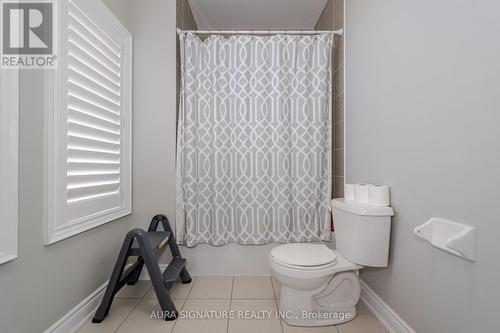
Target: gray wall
{"points": [[153, 27], [45, 282], [423, 101], [120, 8]]}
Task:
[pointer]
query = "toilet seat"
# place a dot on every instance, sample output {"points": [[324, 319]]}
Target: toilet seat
{"points": [[304, 268], [307, 257], [340, 264], [304, 254]]}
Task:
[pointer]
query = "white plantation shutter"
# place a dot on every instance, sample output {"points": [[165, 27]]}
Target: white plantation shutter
{"points": [[90, 183], [9, 121]]}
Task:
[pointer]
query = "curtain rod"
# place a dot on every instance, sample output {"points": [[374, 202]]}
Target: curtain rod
{"points": [[339, 32]]}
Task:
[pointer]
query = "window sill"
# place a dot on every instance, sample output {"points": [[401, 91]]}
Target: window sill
{"points": [[6, 257], [70, 231]]}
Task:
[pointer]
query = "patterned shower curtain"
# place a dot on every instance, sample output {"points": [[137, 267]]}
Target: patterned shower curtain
{"points": [[254, 139]]}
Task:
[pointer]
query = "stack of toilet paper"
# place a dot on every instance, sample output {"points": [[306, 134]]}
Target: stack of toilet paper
{"points": [[367, 194]]}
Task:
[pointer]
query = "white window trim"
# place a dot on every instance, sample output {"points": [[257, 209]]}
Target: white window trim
{"points": [[9, 123], [54, 231]]}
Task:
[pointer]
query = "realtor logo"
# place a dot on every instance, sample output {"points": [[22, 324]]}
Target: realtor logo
{"points": [[28, 34]]}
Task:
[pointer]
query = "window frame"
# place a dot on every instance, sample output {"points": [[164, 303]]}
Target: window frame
{"points": [[9, 148], [56, 81]]}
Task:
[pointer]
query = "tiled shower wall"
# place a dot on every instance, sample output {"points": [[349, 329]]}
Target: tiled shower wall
{"points": [[185, 20], [332, 18]]}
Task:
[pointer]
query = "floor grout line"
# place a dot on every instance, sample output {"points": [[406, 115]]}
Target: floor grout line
{"points": [[193, 281], [230, 304], [277, 306], [128, 314], [254, 299], [209, 297], [177, 319]]}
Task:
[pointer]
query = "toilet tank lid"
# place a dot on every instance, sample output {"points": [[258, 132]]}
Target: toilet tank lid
{"points": [[358, 209]]}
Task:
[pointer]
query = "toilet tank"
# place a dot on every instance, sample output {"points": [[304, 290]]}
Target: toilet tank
{"points": [[362, 232]]}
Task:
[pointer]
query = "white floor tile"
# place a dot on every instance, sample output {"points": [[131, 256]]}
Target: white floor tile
{"points": [[321, 329], [147, 317], [252, 287], [254, 315], [204, 316], [212, 287]]}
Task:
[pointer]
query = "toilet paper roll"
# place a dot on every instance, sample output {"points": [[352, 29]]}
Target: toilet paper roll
{"points": [[361, 193], [349, 192], [378, 195]]}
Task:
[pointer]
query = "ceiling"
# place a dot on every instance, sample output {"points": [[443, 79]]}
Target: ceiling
{"points": [[256, 14]]}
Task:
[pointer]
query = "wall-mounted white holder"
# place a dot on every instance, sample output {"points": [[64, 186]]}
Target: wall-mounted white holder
{"points": [[455, 238]]}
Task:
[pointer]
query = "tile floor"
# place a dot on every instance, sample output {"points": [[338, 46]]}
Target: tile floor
{"points": [[132, 308]]}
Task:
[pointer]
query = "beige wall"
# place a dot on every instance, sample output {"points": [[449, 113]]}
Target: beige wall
{"points": [[332, 18]]}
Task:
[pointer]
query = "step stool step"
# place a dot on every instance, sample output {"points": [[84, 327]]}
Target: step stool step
{"points": [[158, 240], [172, 271]]}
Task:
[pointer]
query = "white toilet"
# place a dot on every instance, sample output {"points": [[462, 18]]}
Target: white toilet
{"points": [[320, 286]]}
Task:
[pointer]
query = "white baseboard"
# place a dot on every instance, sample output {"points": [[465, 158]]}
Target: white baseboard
{"points": [[72, 321], [384, 313]]}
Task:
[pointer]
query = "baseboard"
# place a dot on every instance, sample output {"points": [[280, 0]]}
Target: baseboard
{"points": [[384, 313], [72, 321]]}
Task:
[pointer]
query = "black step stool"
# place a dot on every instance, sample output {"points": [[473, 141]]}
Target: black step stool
{"points": [[146, 245]]}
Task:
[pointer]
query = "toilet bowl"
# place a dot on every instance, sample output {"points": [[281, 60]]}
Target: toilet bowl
{"points": [[320, 286], [315, 295]]}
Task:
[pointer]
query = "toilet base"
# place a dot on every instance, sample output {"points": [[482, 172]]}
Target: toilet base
{"points": [[332, 304]]}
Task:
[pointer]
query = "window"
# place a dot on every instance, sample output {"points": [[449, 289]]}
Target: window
{"points": [[89, 122], [9, 106]]}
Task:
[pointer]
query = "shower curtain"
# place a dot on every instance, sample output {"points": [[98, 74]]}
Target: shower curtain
{"points": [[254, 139]]}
